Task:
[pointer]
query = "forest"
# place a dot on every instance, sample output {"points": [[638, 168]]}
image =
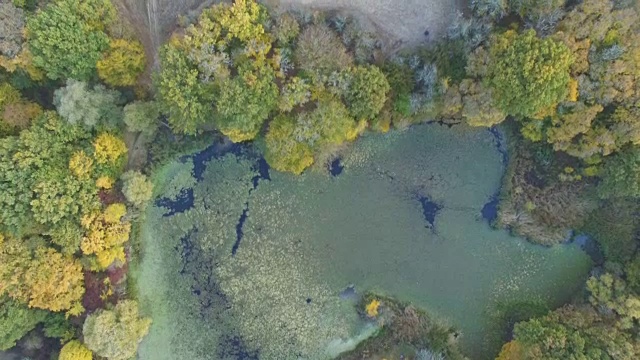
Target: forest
{"points": [[88, 119]]}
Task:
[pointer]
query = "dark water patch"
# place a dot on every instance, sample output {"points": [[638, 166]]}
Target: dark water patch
{"points": [[490, 209], [235, 348], [214, 151], [239, 233], [182, 203], [199, 266], [350, 294], [308, 300], [590, 246], [336, 167], [429, 210], [262, 167], [501, 144]]}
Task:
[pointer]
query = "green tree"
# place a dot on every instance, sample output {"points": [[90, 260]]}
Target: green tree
{"points": [[115, 334], [97, 107], [246, 101], [574, 333], [621, 175], [122, 63], [367, 92], [187, 102], [66, 38], [16, 320], [328, 124], [283, 151], [136, 188], [36, 186], [527, 74], [67, 234], [143, 117]]}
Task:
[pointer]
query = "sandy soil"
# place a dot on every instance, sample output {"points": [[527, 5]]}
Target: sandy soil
{"points": [[403, 22]]}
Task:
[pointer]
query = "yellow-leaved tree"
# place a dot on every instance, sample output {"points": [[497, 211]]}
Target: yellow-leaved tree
{"points": [[105, 235], [109, 149], [122, 63], [39, 276], [75, 350]]}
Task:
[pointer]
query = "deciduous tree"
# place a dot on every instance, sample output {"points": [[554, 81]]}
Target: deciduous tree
{"points": [[16, 320], [367, 92], [283, 151], [137, 188], [66, 38], [122, 63], [115, 334], [75, 350], [93, 107], [143, 117], [528, 74], [40, 277]]}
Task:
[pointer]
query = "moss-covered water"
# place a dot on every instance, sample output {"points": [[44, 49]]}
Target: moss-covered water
{"points": [[254, 268]]}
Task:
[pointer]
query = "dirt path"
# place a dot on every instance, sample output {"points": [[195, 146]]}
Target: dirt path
{"points": [[400, 20]]}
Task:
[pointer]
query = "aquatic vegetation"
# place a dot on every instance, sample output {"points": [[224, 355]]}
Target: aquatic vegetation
{"points": [[296, 253]]}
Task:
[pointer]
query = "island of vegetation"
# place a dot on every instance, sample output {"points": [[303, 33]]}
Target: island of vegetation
{"points": [[279, 183]]}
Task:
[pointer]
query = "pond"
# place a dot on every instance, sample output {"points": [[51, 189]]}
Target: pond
{"points": [[263, 265]]}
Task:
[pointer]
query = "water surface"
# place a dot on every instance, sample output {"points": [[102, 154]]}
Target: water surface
{"points": [[403, 217]]}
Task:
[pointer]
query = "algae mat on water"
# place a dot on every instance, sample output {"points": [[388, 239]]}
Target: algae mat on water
{"points": [[254, 267]]}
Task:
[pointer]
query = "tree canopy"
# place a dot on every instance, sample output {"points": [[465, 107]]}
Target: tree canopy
{"points": [[115, 334], [528, 74]]}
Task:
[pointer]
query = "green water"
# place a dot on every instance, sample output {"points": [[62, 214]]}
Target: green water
{"points": [[306, 238]]}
